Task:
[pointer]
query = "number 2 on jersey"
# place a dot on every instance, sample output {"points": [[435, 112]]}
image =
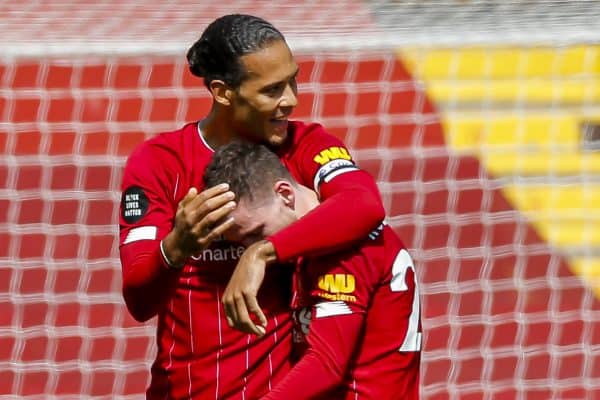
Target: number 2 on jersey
{"points": [[402, 263]]}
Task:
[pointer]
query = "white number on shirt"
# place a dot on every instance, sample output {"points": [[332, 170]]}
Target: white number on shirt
{"points": [[403, 262]]}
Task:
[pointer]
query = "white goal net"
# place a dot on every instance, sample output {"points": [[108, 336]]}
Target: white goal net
{"points": [[480, 121]]}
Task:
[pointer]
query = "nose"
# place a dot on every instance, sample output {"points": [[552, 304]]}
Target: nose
{"points": [[289, 97]]}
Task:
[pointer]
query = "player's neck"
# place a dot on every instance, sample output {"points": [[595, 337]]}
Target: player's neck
{"points": [[306, 200], [215, 130]]}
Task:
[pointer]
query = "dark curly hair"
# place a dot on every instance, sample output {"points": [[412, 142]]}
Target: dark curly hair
{"points": [[250, 169], [216, 55]]}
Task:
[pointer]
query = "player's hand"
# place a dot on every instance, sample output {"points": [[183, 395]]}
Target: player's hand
{"points": [[200, 219], [239, 299]]}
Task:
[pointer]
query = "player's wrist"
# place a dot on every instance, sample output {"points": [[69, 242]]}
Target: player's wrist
{"points": [[172, 256], [265, 250]]}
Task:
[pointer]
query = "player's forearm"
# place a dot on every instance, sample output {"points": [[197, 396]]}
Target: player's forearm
{"points": [[351, 208], [332, 342], [309, 378], [148, 282]]}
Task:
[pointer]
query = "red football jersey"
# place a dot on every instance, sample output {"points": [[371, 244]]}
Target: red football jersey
{"points": [[357, 318], [199, 356]]}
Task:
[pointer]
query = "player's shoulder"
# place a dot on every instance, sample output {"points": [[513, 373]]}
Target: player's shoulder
{"points": [[390, 237], [162, 146], [309, 139], [301, 130], [393, 245], [384, 238]]}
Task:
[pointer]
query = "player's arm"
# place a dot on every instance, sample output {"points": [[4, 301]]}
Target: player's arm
{"points": [[157, 233], [351, 205], [332, 341], [350, 209]]}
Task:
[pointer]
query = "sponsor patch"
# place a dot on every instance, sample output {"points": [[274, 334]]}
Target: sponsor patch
{"points": [[337, 283], [336, 287], [134, 204], [332, 153]]}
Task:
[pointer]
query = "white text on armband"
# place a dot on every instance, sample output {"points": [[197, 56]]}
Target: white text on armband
{"points": [[332, 169]]}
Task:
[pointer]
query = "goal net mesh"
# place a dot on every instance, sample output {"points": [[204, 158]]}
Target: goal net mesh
{"points": [[480, 121]]}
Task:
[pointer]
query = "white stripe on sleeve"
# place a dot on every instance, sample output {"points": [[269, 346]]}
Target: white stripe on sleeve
{"points": [[141, 233], [329, 308]]}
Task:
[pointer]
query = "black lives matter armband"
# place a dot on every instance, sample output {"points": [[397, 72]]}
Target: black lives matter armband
{"points": [[134, 204]]}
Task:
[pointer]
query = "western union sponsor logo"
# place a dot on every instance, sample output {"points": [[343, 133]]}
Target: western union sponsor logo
{"points": [[337, 283], [348, 298], [332, 153]]}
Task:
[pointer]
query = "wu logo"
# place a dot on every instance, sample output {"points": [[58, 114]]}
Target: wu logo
{"points": [[332, 153], [337, 283]]}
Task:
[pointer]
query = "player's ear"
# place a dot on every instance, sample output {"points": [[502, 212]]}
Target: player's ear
{"points": [[285, 193], [221, 92]]}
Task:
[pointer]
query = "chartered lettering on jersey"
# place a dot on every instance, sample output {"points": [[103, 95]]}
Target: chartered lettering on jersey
{"points": [[227, 253], [134, 204]]}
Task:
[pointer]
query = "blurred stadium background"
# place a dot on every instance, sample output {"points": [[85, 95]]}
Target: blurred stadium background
{"points": [[479, 120]]}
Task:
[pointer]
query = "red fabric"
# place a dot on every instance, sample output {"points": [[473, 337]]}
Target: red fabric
{"points": [[364, 309], [332, 342], [350, 206], [199, 356], [145, 271]]}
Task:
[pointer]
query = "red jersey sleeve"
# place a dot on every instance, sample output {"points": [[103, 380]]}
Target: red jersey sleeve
{"points": [[351, 205], [338, 290], [332, 342], [146, 215]]}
